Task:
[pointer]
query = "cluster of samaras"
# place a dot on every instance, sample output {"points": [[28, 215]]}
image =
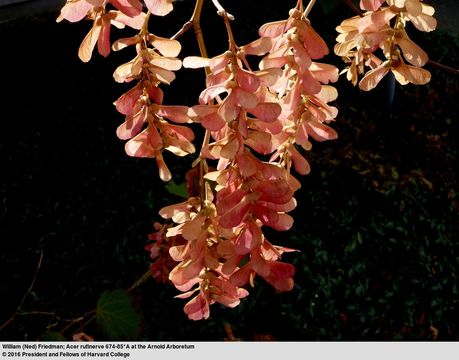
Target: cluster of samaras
{"points": [[258, 124], [382, 29]]}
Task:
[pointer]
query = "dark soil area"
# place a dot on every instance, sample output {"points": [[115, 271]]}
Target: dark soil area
{"points": [[377, 221]]}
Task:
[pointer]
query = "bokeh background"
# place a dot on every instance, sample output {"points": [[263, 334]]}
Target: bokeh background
{"points": [[376, 223]]}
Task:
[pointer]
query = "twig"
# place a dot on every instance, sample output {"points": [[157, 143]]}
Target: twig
{"points": [[221, 10], [232, 42], [48, 313], [71, 322], [187, 26], [78, 320], [443, 67], [136, 284], [195, 23], [226, 17], [309, 8], [44, 313], [91, 319], [144, 30], [353, 7], [140, 280], [7, 322]]}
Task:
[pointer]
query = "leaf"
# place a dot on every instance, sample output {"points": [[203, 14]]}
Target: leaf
{"points": [[179, 190], [116, 316]]}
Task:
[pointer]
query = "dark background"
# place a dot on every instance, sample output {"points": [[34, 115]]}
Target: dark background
{"points": [[376, 220]]}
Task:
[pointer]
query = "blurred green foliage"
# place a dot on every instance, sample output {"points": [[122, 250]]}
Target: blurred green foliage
{"points": [[116, 316]]}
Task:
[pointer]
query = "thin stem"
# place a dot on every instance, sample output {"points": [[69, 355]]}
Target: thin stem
{"points": [[203, 168], [218, 6], [354, 8], [187, 26], [34, 279], [196, 22], [221, 10], [232, 42], [144, 30], [299, 5], [78, 320], [229, 332], [226, 17], [393, 55], [48, 313], [443, 67], [44, 313], [309, 8], [91, 319], [135, 285], [195, 19], [246, 63], [140, 280]]}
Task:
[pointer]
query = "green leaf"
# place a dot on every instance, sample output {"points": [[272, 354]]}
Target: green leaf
{"points": [[116, 315], [356, 240], [52, 336], [179, 190]]}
